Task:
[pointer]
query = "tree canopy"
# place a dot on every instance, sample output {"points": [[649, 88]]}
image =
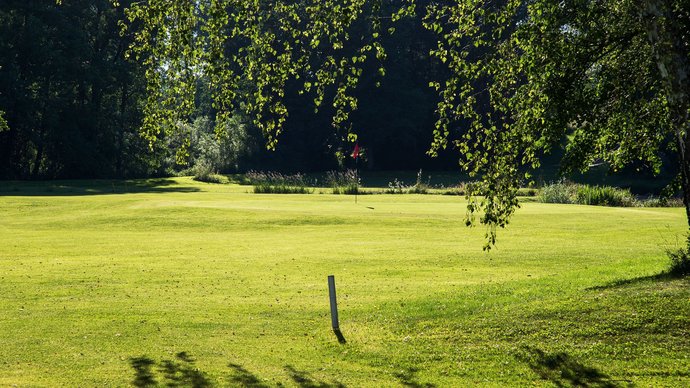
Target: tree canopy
{"points": [[512, 80], [49, 48], [249, 51], [610, 77]]}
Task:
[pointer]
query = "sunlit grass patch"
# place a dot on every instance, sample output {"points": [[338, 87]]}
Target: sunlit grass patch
{"points": [[214, 283]]}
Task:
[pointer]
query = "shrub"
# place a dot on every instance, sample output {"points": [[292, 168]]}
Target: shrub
{"points": [[566, 192], [559, 192], [527, 192], [462, 188], [452, 191], [399, 187], [279, 189], [419, 186], [680, 262], [203, 172], [345, 182], [216, 178], [418, 190], [395, 187], [277, 183], [662, 202], [225, 150], [605, 196]]}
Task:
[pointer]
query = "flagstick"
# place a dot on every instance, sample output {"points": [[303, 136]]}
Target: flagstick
{"points": [[356, 177], [355, 154]]}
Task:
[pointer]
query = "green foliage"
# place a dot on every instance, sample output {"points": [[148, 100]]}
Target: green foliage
{"points": [[662, 202], [525, 75], [680, 262], [277, 183], [419, 187], [568, 192], [343, 182], [71, 99], [204, 172], [609, 77], [395, 187], [264, 44], [527, 192], [226, 152], [605, 196], [462, 189], [102, 140]]}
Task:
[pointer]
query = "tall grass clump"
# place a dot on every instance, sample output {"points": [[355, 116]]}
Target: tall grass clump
{"points": [[662, 202], [277, 183], [419, 186], [527, 192], [680, 261], [567, 192], [559, 192], [395, 187], [343, 182], [398, 187], [605, 196], [462, 188]]}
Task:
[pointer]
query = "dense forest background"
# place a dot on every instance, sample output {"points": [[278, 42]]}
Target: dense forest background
{"points": [[73, 104]]}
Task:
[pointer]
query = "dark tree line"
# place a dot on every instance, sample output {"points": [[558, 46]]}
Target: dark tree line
{"points": [[395, 114], [73, 104], [70, 97]]}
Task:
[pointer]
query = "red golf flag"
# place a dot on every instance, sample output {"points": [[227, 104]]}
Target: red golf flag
{"points": [[355, 152]]}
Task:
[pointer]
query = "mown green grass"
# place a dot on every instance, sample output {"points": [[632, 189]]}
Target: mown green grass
{"points": [[95, 275]]}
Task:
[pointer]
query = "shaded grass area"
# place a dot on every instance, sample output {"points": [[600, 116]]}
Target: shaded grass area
{"points": [[182, 371], [92, 187], [219, 287], [564, 371]]}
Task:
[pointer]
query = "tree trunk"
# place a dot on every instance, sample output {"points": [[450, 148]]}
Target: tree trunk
{"points": [[8, 151], [37, 162], [685, 176], [119, 171], [664, 29]]}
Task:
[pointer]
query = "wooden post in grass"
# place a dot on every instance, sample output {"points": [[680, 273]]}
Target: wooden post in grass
{"points": [[356, 177], [334, 302], [334, 309]]}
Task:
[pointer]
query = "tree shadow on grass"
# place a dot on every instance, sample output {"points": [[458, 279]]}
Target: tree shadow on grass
{"points": [[408, 378], [143, 375], [244, 378], [180, 372], [664, 276], [305, 380], [564, 371], [92, 187]]}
